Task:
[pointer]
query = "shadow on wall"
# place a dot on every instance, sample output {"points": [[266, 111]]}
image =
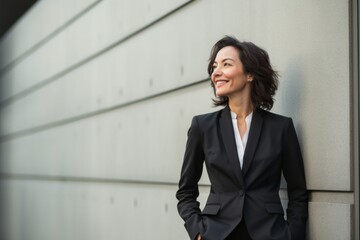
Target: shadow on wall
{"points": [[292, 85], [10, 11]]}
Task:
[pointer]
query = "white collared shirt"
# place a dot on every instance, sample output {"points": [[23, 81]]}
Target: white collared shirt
{"points": [[241, 142]]}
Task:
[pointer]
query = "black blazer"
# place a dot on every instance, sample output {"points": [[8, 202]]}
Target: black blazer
{"points": [[250, 194]]}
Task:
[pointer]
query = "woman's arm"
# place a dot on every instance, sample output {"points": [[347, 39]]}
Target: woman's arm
{"points": [[293, 170], [191, 172]]}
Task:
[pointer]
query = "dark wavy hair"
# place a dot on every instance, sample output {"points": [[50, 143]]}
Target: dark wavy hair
{"points": [[256, 62]]}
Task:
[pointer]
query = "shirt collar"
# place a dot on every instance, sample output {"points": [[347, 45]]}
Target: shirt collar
{"points": [[247, 119]]}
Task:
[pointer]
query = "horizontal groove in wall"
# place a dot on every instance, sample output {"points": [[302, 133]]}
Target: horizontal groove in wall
{"points": [[49, 178], [91, 114], [77, 65], [42, 42], [332, 196]]}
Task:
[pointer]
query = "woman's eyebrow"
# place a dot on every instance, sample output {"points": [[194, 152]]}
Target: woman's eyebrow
{"points": [[225, 59]]}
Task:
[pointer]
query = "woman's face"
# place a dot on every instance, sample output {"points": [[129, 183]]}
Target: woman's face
{"points": [[228, 74]]}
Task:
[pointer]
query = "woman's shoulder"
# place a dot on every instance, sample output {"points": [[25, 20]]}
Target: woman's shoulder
{"points": [[271, 116], [207, 117]]}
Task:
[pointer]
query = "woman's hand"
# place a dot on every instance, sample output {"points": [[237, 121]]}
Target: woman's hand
{"points": [[198, 237]]}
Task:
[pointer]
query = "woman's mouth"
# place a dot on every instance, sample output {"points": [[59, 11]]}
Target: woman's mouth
{"points": [[220, 83]]}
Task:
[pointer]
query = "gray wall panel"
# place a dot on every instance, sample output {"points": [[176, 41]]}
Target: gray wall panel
{"points": [[330, 221], [92, 211], [22, 38], [136, 142], [108, 23]]}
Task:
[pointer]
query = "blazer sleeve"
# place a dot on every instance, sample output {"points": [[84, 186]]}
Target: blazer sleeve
{"points": [[293, 170], [191, 171]]}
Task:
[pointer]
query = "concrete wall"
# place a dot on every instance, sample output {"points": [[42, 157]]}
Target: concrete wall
{"points": [[97, 97]]}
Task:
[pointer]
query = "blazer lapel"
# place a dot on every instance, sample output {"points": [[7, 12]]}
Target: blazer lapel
{"points": [[253, 139], [227, 132]]}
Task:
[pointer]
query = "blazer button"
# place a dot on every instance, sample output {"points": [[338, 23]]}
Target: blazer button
{"points": [[241, 193]]}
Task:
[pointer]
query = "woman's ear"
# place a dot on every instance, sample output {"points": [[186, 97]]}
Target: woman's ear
{"points": [[250, 77]]}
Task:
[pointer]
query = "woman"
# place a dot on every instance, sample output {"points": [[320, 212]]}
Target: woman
{"points": [[245, 149]]}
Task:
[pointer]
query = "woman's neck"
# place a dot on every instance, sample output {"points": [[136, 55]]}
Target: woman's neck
{"points": [[241, 108]]}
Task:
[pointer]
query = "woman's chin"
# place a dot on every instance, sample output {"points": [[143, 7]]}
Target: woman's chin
{"points": [[220, 94]]}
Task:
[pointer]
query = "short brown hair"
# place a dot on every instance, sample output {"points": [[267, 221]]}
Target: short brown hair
{"points": [[256, 62]]}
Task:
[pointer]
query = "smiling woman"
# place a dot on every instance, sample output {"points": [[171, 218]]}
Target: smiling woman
{"points": [[253, 60], [228, 76], [245, 149]]}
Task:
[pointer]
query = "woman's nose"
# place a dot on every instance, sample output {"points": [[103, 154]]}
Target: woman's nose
{"points": [[216, 72]]}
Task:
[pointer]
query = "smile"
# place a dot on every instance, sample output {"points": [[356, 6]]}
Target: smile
{"points": [[220, 83]]}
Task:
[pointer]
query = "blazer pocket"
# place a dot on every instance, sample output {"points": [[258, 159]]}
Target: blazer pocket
{"points": [[211, 209], [275, 208]]}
